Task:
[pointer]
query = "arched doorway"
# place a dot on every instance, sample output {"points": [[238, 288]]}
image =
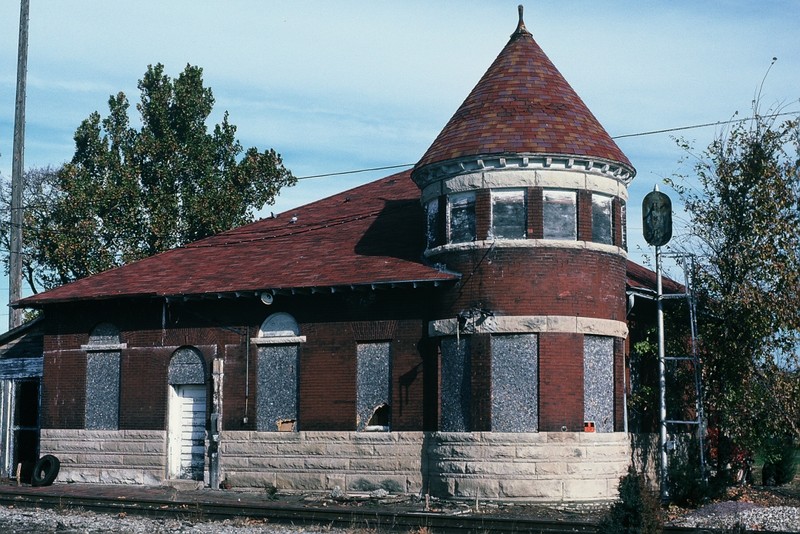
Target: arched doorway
{"points": [[187, 415]]}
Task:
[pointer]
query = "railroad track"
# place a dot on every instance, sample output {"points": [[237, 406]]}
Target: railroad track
{"points": [[378, 520]]}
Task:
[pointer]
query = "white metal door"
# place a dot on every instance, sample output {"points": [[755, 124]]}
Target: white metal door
{"points": [[187, 431]]}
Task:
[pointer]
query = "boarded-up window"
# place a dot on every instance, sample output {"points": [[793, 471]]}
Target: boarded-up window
{"points": [[509, 214], [102, 391], [277, 374], [598, 382], [102, 378], [456, 385], [276, 388], [186, 367], [602, 219], [559, 215], [373, 386], [462, 217], [515, 383], [432, 228]]}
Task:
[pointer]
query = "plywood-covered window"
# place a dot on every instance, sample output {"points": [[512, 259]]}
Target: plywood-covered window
{"points": [[456, 391], [278, 371], [373, 387], [598, 382], [602, 219], [102, 378], [509, 214], [461, 217], [515, 383], [559, 215]]}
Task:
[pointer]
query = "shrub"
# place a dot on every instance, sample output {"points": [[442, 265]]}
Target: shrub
{"points": [[779, 462], [637, 511], [687, 486]]}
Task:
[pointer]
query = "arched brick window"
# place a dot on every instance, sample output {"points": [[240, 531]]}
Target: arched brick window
{"points": [[186, 367]]}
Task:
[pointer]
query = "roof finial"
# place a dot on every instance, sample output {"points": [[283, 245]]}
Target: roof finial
{"points": [[521, 29]]}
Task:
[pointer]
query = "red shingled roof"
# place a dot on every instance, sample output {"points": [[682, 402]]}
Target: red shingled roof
{"points": [[642, 278], [373, 234], [523, 105]]}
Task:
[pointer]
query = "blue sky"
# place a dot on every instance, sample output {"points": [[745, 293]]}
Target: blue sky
{"points": [[336, 86]]}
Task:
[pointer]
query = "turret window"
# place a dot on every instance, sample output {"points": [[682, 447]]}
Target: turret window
{"points": [[432, 227], [602, 219], [461, 217], [623, 218], [509, 214], [559, 215]]}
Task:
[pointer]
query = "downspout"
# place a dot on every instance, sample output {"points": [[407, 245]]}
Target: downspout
{"points": [[631, 304], [246, 376]]}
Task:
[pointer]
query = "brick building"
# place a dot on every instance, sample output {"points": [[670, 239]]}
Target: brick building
{"points": [[453, 329]]}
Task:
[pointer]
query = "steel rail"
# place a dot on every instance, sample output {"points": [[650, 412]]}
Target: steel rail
{"points": [[339, 517]]}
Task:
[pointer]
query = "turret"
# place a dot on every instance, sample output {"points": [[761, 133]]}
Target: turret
{"points": [[525, 196]]}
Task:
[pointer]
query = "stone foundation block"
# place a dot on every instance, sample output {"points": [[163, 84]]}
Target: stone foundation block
{"points": [[543, 490], [477, 487], [367, 483], [586, 489]]}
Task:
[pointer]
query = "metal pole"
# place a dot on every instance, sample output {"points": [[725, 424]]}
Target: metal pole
{"points": [[17, 169], [662, 383]]}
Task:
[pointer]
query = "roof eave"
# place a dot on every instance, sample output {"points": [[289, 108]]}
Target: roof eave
{"points": [[32, 303]]}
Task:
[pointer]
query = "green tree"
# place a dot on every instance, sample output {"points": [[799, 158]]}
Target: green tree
{"points": [[130, 193], [743, 202], [39, 195]]}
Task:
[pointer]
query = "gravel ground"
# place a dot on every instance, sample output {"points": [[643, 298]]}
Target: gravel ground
{"points": [[752, 516], [755, 508], [28, 520]]}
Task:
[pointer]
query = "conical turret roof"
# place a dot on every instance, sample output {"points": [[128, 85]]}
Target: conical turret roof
{"points": [[523, 105]]}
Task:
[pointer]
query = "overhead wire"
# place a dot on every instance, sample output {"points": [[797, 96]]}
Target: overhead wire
{"points": [[622, 136]]}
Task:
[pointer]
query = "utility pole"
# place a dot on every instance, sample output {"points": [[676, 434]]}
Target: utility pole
{"points": [[657, 225], [17, 170]]}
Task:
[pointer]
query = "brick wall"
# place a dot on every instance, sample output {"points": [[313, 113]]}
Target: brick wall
{"points": [[537, 281], [327, 363], [535, 207], [63, 389], [560, 382], [584, 208], [143, 389]]}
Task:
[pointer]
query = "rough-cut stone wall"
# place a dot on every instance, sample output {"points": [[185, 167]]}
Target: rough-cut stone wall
{"points": [[319, 461], [108, 456], [545, 467]]}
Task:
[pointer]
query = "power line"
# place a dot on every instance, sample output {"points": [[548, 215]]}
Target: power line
{"points": [[704, 125], [356, 171], [623, 136]]}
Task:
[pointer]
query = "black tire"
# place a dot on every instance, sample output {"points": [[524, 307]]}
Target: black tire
{"points": [[45, 471]]}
